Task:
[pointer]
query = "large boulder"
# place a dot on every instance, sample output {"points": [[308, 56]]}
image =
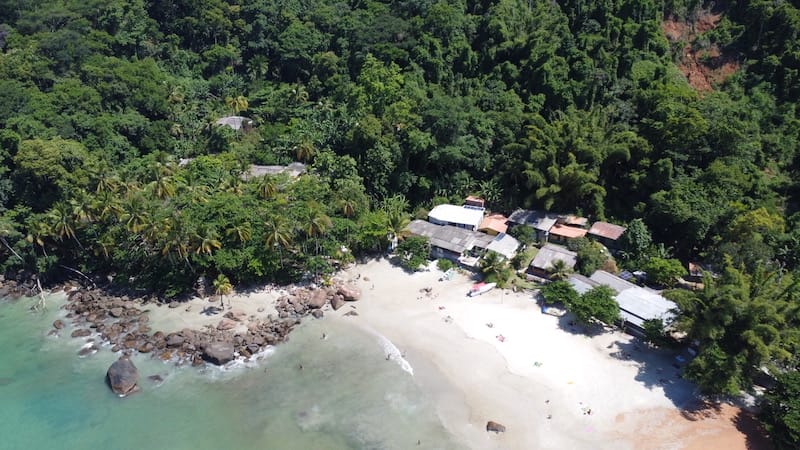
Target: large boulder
{"points": [[226, 324], [123, 377], [495, 426], [318, 299], [218, 353], [337, 301], [349, 293]]}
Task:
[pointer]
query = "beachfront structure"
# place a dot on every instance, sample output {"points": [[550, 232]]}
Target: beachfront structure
{"points": [[607, 234], [462, 246], [468, 218], [636, 304], [561, 233], [540, 221], [542, 263], [475, 202], [494, 224]]}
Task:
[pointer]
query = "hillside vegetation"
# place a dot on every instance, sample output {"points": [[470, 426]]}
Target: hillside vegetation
{"points": [[573, 105]]}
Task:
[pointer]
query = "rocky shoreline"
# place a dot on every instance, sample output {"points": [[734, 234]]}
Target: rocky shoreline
{"points": [[122, 323]]}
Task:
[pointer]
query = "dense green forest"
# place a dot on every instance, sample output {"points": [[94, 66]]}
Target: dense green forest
{"points": [[574, 105]]}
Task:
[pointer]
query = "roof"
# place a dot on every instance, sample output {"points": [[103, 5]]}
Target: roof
{"points": [[614, 282], [575, 220], [496, 222], [475, 201], [445, 214], [539, 220], [607, 230], [549, 253], [580, 283], [638, 304], [568, 231], [450, 238], [504, 244], [235, 122], [294, 169]]}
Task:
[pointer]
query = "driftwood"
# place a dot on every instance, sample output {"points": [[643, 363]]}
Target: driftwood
{"points": [[41, 304], [79, 273]]}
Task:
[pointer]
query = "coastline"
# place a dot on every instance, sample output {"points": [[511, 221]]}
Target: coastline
{"points": [[594, 389], [540, 381]]}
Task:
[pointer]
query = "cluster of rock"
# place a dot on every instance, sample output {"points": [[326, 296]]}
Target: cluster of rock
{"points": [[120, 322], [16, 285], [304, 301]]}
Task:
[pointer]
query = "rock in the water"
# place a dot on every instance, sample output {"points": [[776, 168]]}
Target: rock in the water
{"points": [[174, 340], [494, 426], [351, 313], [156, 378], [116, 312], [146, 347], [218, 353], [58, 324], [318, 299], [337, 302], [317, 313], [350, 293], [81, 333], [123, 377]]}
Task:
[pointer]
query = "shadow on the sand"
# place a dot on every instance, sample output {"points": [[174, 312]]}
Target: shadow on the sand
{"points": [[658, 368], [755, 434], [211, 311], [568, 323]]}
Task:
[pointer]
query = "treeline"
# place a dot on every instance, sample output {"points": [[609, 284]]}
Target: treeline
{"points": [[574, 106]]}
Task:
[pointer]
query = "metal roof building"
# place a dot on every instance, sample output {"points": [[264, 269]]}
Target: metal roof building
{"points": [[549, 253], [458, 216], [636, 303]]}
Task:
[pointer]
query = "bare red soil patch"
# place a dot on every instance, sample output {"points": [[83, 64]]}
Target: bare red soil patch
{"points": [[703, 68]]}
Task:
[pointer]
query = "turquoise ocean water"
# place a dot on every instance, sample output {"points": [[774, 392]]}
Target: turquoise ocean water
{"points": [[346, 396]]}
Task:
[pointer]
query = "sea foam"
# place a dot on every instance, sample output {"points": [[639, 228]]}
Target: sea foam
{"points": [[393, 353]]}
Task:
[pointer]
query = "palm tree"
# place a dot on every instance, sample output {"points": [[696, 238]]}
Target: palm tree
{"points": [[243, 232], [559, 270], [37, 233], [222, 286], [318, 224], [237, 104], [278, 234], [62, 222], [136, 214], [494, 266], [207, 240], [106, 205], [398, 225], [305, 150], [348, 206], [267, 187], [232, 184]]}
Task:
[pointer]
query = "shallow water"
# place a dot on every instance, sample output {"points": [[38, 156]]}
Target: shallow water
{"points": [[346, 396]]}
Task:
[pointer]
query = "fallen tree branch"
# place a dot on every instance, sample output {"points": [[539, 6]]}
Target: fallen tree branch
{"points": [[79, 273]]}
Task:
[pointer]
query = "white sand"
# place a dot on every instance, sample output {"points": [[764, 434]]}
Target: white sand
{"points": [[474, 377], [198, 313]]}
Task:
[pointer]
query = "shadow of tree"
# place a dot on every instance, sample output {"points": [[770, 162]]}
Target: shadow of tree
{"points": [[659, 368], [756, 435]]}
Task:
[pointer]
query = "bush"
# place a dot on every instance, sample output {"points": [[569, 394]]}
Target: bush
{"points": [[413, 252], [559, 292], [596, 304], [664, 272], [444, 264]]}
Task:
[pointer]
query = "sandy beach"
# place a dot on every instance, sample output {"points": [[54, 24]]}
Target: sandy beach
{"points": [[497, 357]]}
